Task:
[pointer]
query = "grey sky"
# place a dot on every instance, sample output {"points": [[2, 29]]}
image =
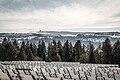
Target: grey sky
{"points": [[69, 15]]}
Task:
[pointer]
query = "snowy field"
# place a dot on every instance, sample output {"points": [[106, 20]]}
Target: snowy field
{"points": [[40, 70]]}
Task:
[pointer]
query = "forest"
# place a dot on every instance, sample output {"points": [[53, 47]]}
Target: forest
{"points": [[105, 53]]}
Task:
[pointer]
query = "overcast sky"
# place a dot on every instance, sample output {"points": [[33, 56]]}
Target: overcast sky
{"points": [[62, 15]]}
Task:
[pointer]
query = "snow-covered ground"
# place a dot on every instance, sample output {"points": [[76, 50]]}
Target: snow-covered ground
{"points": [[48, 36]]}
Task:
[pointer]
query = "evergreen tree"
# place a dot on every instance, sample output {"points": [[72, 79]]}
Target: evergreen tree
{"points": [[13, 52], [39, 49], [60, 50], [33, 49], [30, 56], [23, 45], [4, 51], [66, 51], [27, 48], [5, 41], [22, 55], [72, 55], [9, 51], [28, 52], [107, 51], [49, 56], [78, 50], [54, 42], [43, 51], [1, 52], [15, 43], [6, 46], [83, 49], [99, 54], [53, 52], [116, 53], [91, 54]]}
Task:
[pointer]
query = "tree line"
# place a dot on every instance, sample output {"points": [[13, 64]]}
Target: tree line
{"points": [[104, 53]]}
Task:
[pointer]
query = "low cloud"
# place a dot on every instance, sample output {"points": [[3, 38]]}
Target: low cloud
{"points": [[60, 15]]}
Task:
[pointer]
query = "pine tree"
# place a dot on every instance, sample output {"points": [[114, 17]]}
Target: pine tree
{"points": [[30, 56], [91, 54], [39, 49], [78, 50], [107, 51], [43, 51], [5, 47], [5, 41], [13, 52], [22, 55], [10, 50], [1, 52], [60, 50], [66, 51], [116, 53], [28, 51], [72, 55], [53, 52], [4, 52], [49, 56], [99, 54], [33, 49], [23, 45], [83, 49], [15, 43]]}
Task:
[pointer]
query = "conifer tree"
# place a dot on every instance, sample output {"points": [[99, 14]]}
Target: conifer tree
{"points": [[39, 49], [91, 54], [22, 55], [116, 53], [43, 51], [60, 50], [30, 56], [33, 49], [53, 52], [107, 51], [72, 55], [78, 50], [66, 51]]}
